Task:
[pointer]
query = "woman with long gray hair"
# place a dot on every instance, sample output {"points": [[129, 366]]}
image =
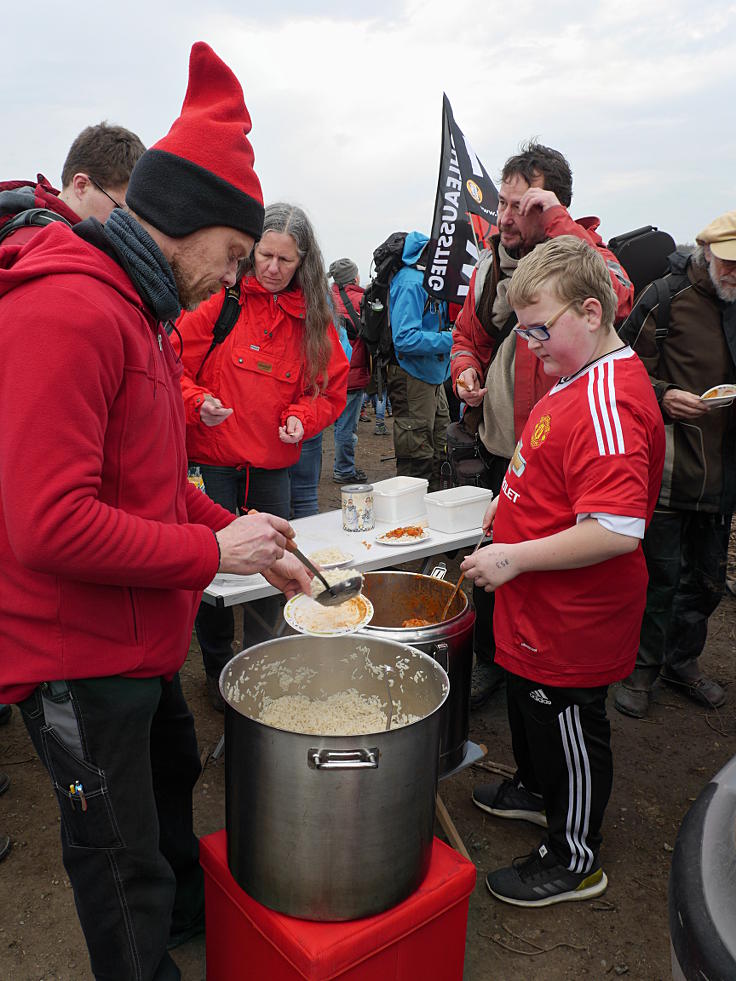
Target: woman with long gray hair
{"points": [[278, 377]]}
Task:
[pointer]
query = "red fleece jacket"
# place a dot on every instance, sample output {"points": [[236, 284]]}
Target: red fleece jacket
{"points": [[106, 545]]}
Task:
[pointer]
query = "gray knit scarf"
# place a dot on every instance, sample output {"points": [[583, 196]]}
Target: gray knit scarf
{"points": [[145, 263]]}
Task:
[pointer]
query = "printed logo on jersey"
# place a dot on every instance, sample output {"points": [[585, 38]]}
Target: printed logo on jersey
{"points": [[518, 463], [539, 696], [604, 411], [541, 431], [474, 191]]}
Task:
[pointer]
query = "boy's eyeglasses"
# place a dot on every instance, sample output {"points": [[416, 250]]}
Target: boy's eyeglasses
{"points": [[101, 188], [540, 332]]}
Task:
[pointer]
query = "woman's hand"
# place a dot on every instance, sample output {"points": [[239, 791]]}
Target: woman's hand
{"points": [[293, 431], [212, 412]]}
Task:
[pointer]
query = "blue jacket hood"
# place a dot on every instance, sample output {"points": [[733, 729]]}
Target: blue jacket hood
{"points": [[413, 246]]}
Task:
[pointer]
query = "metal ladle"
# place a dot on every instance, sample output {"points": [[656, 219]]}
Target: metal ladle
{"points": [[332, 595]]}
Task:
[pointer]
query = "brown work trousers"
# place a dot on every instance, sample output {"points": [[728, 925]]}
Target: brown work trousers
{"points": [[421, 417]]}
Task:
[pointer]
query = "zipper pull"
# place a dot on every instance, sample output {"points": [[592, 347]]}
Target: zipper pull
{"points": [[160, 342]]}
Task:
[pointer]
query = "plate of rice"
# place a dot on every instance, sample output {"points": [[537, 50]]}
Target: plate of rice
{"points": [[307, 616], [330, 558]]}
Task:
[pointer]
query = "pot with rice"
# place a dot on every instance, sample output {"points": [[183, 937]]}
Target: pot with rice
{"points": [[329, 814]]}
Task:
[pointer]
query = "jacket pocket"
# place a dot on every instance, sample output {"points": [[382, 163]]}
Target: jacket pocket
{"points": [[265, 364], [412, 439], [105, 612], [87, 814]]}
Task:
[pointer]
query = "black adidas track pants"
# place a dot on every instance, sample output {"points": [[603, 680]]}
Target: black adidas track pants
{"points": [[561, 740]]}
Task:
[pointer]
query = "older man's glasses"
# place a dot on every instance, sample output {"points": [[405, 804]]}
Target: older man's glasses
{"points": [[540, 332], [101, 188]]}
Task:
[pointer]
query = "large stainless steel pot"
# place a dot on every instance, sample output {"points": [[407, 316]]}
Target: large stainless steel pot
{"points": [[330, 827], [398, 596]]}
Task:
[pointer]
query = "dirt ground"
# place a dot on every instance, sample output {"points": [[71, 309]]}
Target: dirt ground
{"points": [[661, 764]]}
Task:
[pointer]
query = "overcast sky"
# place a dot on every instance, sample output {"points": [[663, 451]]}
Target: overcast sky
{"points": [[346, 98]]}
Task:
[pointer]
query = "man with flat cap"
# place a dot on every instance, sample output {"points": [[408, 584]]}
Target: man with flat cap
{"points": [[106, 545], [687, 541]]}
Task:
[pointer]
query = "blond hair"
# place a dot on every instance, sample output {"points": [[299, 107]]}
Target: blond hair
{"points": [[570, 267]]}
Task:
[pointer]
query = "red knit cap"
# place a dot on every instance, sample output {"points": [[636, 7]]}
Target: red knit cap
{"points": [[201, 173]]}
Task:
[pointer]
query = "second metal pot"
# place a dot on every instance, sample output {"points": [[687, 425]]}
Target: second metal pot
{"points": [[398, 596]]}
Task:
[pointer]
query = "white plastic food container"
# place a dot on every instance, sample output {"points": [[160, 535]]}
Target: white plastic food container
{"points": [[457, 508], [400, 500]]}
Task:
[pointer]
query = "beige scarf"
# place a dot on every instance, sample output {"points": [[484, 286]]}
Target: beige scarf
{"points": [[497, 427]]}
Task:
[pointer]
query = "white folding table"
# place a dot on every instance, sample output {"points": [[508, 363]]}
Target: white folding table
{"points": [[326, 531]]}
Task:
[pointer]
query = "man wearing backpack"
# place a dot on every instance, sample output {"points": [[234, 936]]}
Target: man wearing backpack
{"points": [[346, 296], [686, 543], [422, 338], [107, 152], [492, 370], [94, 180]]}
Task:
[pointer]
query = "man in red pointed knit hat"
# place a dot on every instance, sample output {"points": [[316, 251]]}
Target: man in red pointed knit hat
{"points": [[106, 545]]}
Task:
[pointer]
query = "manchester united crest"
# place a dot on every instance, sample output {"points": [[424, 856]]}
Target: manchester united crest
{"points": [[541, 431]]}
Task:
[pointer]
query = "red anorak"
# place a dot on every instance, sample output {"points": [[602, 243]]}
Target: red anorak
{"points": [[260, 373]]}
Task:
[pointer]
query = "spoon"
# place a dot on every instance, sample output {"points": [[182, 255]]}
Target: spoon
{"points": [[339, 592], [332, 595], [453, 594]]}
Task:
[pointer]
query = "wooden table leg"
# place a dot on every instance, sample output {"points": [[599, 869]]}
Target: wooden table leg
{"points": [[448, 826]]}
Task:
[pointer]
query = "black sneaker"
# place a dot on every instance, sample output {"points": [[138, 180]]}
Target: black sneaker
{"points": [[507, 799], [357, 477], [539, 880]]}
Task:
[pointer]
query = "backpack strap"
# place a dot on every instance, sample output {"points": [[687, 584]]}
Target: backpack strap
{"points": [[663, 301], [31, 216], [226, 320], [351, 312]]}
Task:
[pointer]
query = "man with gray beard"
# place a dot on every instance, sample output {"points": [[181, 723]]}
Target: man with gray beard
{"points": [[686, 543]]}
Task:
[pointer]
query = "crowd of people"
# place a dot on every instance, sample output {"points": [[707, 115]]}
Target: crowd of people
{"points": [[200, 329]]}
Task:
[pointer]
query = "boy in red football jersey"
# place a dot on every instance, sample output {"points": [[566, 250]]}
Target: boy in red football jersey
{"points": [[568, 568]]}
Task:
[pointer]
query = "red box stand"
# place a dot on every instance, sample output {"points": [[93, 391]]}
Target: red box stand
{"points": [[423, 937]]}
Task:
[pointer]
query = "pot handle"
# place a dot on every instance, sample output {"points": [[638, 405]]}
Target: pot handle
{"points": [[441, 654], [343, 759], [439, 571]]}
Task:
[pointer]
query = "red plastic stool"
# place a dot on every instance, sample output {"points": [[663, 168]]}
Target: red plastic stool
{"points": [[423, 937]]}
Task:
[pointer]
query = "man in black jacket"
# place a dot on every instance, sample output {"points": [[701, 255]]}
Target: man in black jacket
{"points": [[686, 543]]}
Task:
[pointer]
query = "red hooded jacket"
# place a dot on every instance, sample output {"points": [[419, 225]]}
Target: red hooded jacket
{"points": [[105, 543], [259, 372], [360, 362], [473, 346]]}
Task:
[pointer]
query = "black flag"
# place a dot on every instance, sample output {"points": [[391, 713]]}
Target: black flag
{"points": [[465, 214]]}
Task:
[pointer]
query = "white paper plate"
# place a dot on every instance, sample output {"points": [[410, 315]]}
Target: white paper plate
{"points": [[409, 540], [725, 395], [330, 565], [310, 617]]}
